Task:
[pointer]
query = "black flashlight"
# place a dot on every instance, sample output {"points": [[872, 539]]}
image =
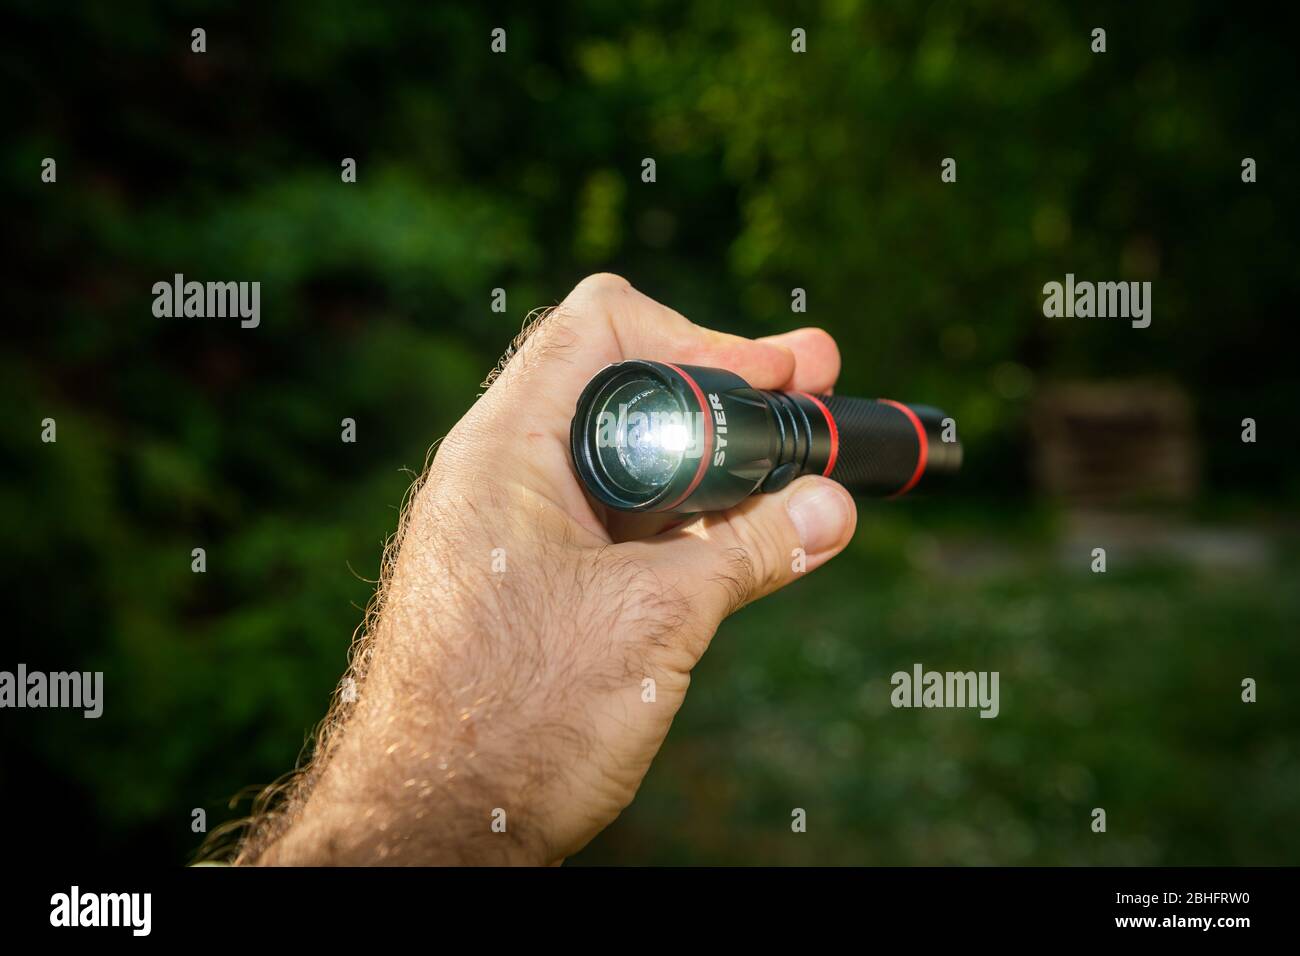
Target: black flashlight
{"points": [[653, 436]]}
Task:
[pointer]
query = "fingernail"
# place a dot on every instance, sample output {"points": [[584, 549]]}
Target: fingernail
{"points": [[819, 513]]}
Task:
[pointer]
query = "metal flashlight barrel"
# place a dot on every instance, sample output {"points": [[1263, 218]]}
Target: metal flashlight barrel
{"points": [[878, 447], [732, 440]]}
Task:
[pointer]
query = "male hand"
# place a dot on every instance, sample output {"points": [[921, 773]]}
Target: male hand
{"points": [[500, 713]]}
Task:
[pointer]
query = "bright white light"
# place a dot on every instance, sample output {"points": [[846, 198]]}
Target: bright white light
{"points": [[674, 437]]}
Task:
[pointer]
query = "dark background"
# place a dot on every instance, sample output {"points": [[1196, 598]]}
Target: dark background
{"points": [[775, 170]]}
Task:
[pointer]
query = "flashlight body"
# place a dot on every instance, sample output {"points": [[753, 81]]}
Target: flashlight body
{"points": [[748, 440]]}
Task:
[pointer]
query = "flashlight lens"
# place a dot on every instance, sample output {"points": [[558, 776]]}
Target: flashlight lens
{"points": [[642, 435]]}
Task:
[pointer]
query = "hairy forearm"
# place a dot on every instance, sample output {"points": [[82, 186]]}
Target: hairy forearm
{"points": [[419, 821], [443, 759], [396, 791], [423, 771]]}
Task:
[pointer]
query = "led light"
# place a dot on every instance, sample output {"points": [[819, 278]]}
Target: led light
{"points": [[631, 443], [674, 437]]}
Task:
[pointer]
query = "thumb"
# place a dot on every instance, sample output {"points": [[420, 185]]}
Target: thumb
{"points": [[727, 559]]}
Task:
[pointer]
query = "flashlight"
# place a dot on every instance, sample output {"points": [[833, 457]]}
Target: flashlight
{"points": [[653, 436]]}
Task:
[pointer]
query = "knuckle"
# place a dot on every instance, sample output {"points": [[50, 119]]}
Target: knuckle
{"points": [[603, 284], [597, 301]]}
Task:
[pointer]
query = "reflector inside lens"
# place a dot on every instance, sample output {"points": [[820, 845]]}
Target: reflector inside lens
{"points": [[642, 435]]}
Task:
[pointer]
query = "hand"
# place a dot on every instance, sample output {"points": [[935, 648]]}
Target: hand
{"points": [[501, 713]]}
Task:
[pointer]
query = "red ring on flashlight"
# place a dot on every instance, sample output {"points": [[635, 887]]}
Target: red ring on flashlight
{"points": [[707, 453], [835, 432], [924, 441]]}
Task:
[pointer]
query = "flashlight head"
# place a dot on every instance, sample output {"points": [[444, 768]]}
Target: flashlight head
{"points": [[640, 436]]}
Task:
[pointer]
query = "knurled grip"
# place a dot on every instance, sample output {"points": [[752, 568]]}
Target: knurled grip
{"points": [[879, 445]]}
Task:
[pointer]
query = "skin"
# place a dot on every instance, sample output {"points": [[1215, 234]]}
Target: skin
{"points": [[515, 696]]}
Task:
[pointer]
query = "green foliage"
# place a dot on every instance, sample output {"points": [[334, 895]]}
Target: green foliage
{"points": [[521, 171]]}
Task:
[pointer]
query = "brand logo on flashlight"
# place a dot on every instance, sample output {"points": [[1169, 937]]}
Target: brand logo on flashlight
{"points": [[720, 419]]}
